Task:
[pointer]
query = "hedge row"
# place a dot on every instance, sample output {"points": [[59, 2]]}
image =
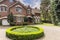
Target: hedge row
{"points": [[23, 36]]}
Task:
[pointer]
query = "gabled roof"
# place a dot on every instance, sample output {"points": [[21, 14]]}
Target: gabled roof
{"points": [[36, 10], [4, 0], [18, 3]]}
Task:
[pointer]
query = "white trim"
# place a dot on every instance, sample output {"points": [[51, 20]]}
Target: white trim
{"points": [[29, 16], [17, 6], [3, 17], [19, 15], [3, 5]]}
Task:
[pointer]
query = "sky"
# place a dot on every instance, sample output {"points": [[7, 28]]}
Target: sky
{"points": [[32, 3]]}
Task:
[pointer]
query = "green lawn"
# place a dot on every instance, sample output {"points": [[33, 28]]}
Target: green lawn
{"points": [[26, 30], [47, 24]]}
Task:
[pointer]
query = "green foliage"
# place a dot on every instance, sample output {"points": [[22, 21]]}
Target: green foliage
{"points": [[25, 19], [11, 19], [53, 12], [0, 22], [44, 10], [24, 36], [26, 30]]}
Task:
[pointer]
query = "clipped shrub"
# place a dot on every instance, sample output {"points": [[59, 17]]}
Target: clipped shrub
{"points": [[25, 19], [11, 19], [24, 36], [0, 22]]}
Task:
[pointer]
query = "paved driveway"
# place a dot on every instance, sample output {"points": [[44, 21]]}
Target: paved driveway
{"points": [[51, 33]]}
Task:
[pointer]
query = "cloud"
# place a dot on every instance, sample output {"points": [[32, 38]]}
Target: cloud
{"points": [[32, 3]]}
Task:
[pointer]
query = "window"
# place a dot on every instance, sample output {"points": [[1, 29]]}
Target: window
{"points": [[28, 11], [19, 19], [3, 8], [18, 9], [10, 0]]}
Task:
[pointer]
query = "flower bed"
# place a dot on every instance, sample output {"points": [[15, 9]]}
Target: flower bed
{"points": [[24, 33]]}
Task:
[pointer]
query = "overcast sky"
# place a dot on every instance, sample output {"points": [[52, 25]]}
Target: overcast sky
{"points": [[32, 3]]}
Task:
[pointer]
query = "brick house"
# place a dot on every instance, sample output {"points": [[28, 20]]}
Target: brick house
{"points": [[36, 13], [16, 8]]}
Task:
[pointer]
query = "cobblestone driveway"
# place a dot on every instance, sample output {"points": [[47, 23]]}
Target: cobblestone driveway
{"points": [[51, 33]]}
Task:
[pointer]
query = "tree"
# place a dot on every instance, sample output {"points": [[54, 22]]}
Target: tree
{"points": [[11, 19], [53, 6], [44, 9]]}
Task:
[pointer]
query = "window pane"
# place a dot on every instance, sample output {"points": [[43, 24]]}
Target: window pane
{"points": [[18, 9], [28, 11], [0, 9], [5, 8], [19, 19], [10, 0]]}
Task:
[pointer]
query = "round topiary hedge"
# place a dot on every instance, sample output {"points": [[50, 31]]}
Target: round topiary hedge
{"points": [[24, 33]]}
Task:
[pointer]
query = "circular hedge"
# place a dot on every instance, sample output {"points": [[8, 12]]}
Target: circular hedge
{"points": [[24, 33]]}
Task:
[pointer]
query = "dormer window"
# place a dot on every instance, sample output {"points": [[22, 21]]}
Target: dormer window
{"points": [[11, 1]]}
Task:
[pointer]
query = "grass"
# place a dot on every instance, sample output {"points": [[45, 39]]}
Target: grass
{"points": [[48, 24], [26, 29]]}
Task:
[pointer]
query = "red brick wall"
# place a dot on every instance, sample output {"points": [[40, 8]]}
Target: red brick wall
{"points": [[8, 4], [13, 10]]}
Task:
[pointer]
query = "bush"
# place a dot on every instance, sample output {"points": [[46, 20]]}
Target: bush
{"points": [[11, 19], [0, 22], [24, 36], [25, 19], [12, 23]]}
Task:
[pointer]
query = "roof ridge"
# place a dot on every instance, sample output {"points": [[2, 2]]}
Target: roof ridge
{"points": [[16, 3], [13, 4]]}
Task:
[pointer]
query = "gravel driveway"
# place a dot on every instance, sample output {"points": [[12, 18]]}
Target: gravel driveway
{"points": [[51, 33]]}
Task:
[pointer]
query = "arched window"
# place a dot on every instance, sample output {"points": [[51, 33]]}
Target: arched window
{"points": [[11, 1], [3, 8], [19, 9]]}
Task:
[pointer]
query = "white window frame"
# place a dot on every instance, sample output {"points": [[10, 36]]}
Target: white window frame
{"points": [[28, 11], [3, 8], [19, 10]]}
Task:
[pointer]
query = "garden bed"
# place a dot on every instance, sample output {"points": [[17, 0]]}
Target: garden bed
{"points": [[24, 33]]}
